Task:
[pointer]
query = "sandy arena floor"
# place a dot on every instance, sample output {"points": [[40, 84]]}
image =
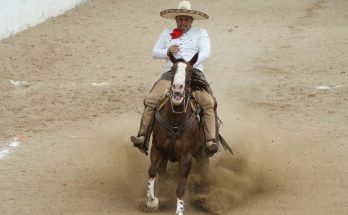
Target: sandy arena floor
{"points": [[278, 69]]}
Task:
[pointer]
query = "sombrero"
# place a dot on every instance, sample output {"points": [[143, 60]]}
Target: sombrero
{"points": [[184, 9]]}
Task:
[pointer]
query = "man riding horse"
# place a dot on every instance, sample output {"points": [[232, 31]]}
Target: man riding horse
{"points": [[182, 42]]}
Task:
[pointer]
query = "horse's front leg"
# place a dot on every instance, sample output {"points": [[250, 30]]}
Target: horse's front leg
{"points": [[152, 202], [184, 169]]}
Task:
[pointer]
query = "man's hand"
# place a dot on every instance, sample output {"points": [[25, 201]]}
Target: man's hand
{"points": [[173, 49]]}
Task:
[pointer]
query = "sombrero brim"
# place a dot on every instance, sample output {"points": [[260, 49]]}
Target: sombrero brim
{"points": [[172, 13]]}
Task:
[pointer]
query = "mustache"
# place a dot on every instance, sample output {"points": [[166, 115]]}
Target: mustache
{"points": [[184, 26]]}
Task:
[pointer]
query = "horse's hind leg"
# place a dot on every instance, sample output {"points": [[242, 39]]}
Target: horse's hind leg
{"points": [[203, 164], [184, 169], [202, 185], [156, 158]]}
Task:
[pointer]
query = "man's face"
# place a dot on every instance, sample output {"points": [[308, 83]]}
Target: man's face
{"points": [[184, 22]]}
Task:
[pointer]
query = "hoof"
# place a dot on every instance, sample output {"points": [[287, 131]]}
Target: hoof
{"points": [[152, 204]]}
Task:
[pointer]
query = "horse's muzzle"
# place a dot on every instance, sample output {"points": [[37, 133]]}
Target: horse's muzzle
{"points": [[177, 97]]}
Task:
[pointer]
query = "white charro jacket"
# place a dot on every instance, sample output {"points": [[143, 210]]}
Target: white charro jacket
{"points": [[192, 41]]}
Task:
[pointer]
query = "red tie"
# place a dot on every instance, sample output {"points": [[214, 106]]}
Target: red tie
{"points": [[176, 33]]}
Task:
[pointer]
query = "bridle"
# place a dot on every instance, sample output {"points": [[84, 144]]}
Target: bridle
{"points": [[187, 91], [186, 94]]}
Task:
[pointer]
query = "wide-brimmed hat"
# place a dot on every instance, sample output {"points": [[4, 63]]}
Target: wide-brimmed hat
{"points": [[184, 9]]}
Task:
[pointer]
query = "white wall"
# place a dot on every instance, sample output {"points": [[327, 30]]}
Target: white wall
{"points": [[18, 15]]}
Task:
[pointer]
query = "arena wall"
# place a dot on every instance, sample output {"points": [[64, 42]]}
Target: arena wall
{"points": [[18, 15]]}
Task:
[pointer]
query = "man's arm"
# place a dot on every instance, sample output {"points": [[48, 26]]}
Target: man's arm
{"points": [[203, 47], [159, 51]]}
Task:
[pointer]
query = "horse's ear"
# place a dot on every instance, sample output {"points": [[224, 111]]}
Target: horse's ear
{"points": [[171, 57], [194, 59]]}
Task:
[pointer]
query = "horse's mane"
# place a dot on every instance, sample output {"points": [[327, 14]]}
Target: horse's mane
{"points": [[198, 84]]}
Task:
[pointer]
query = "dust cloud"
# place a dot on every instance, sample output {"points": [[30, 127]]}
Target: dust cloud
{"points": [[128, 167], [256, 168]]}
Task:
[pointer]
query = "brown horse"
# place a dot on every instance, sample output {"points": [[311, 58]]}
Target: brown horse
{"points": [[177, 133]]}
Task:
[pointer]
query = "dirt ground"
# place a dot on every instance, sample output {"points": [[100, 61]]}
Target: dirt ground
{"points": [[278, 69]]}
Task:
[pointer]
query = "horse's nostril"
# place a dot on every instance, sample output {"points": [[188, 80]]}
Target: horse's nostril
{"points": [[177, 86]]}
